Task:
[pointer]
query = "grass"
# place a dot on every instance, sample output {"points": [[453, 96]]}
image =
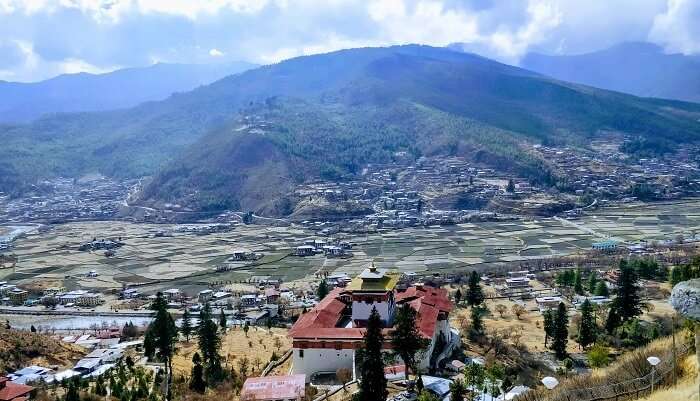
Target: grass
{"points": [[687, 388], [628, 367], [257, 347]]}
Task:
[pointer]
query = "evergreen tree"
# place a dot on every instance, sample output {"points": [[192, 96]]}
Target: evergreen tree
{"points": [[149, 343], [457, 390], [561, 331], [164, 337], [209, 345], [676, 275], [601, 289], [592, 282], [627, 303], [222, 320], [72, 394], [406, 340], [371, 366], [458, 296], [322, 290], [474, 375], [475, 295], [587, 329], [511, 186], [578, 285], [613, 321], [477, 327], [197, 382], [548, 316]]}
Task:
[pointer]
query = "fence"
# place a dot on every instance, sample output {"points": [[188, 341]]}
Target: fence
{"points": [[619, 391], [276, 363]]}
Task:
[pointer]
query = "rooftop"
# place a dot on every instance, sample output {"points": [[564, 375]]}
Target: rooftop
{"points": [[374, 280], [289, 387]]}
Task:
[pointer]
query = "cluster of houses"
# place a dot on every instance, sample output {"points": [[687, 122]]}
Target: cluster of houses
{"points": [[64, 199], [331, 247], [11, 294], [608, 175]]}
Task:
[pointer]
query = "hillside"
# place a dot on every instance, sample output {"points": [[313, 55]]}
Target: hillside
{"points": [[327, 115], [402, 102], [22, 102], [641, 69], [21, 348]]}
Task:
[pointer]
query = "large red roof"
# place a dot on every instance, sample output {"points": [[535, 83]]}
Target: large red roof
{"points": [[12, 391], [320, 322]]}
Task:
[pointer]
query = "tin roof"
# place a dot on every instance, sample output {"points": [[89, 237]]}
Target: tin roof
{"points": [[289, 387]]}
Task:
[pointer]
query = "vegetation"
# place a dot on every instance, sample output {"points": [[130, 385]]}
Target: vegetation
{"points": [[561, 331], [371, 364], [475, 294], [209, 345], [587, 331], [627, 303], [164, 337], [406, 340]]}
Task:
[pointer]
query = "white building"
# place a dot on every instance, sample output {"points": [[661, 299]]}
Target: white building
{"points": [[325, 338]]}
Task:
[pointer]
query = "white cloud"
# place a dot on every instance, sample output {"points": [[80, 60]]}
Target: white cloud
{"points": [[678, 29], [34, 67], [105, 33]]}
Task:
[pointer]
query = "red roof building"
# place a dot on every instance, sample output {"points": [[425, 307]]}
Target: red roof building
{"points": [[14, 392], [325, 338], [274, 388]]}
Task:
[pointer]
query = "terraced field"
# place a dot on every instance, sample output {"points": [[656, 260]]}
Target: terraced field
{"points": [[189, 260]]}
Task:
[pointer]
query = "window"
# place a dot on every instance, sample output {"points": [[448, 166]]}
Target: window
{"points": [[301, 353]]}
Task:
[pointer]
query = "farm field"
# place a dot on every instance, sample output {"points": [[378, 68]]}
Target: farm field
{"points": [[188, 260]]}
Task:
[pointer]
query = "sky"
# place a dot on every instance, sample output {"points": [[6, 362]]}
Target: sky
{"points": [[43, 38]]}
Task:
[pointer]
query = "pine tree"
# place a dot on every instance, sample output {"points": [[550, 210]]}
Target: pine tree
{"points": [[222, 320], [601, 289], [186, 328], [458, 296], [475, 295], [477, 324], [548, 316], [457, 390], [676, 275], [613, 321], [197, 382], [592, 282], [627, 303], [164, 337], [511, 186], [587, 329], [371, 366], [561, 331], [209, 345], [322, 290], [406, 340], [578, 285]]}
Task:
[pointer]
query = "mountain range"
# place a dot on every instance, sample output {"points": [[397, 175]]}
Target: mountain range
{"points": [[641, 69], [243, 142], [124, 88]]}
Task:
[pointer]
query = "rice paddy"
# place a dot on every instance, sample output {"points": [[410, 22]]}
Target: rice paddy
{"points": [[187, 258]]}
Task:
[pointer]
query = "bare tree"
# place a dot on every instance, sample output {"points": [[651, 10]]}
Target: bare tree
{"points": [[501, 309], [344, 375], [518, 310]]}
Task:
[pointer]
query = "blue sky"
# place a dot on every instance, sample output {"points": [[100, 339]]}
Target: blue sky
{"points": [[44, 38]]}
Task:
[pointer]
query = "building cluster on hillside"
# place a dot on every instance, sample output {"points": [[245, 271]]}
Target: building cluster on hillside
{"points": [[65, 199], [610, 175], [17, 386]]}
